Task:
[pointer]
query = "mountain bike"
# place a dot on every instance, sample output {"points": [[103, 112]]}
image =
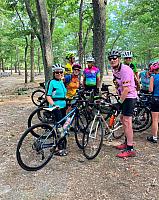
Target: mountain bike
{"points": [[38, 143]]}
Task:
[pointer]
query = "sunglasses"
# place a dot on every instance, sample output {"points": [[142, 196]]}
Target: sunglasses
{"points": [[59, 72], [127, 58], [112, 58], [76, 69]]}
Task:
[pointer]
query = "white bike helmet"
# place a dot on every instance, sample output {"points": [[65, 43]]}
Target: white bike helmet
{"points": [[127, 54], [90, 59], [57, 67]]}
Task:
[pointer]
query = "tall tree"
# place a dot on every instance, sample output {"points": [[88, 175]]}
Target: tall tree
{"points": [[42, 31], [32, 57], [99, 13], [80, 52]]}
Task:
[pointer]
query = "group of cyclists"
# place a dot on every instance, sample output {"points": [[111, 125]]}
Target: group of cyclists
{"points": [[66, 80]]}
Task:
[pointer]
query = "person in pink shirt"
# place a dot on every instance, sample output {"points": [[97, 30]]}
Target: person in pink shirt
{"points": [[126, 89]]}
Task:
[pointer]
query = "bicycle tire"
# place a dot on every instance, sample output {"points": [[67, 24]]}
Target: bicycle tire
{"points": [[142, 118], [40, 115], [80, 127], [37, 97], [26, 159], [89, 138]]}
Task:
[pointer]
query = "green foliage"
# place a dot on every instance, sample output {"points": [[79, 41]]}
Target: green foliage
{"points": [[130, 25]]}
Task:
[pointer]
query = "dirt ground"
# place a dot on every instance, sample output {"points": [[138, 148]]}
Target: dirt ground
{"points": [[73, 177]]}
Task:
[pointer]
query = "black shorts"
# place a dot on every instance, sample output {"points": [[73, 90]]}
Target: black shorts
{"points": [[90, 88], [128, 106], [155, 104]]}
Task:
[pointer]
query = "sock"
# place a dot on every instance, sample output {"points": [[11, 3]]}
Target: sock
{"points": [[125, 140], [130, 148], [155, 138]]}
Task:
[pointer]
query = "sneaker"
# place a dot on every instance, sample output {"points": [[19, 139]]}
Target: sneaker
{"points": [[150, 139], [62, 152], [127, 153], [121, 146]]}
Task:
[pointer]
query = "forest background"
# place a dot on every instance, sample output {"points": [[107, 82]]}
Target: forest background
{"points": [[34, 34]]}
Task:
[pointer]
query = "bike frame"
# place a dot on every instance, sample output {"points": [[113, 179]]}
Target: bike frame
{"points": [[72, 113], [110, 130]]}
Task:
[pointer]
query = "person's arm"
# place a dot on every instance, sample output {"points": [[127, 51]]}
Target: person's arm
{"points": [[84, 80], [98, 79], [137, 75], [124, 94], [49, 99], [151, 84]]}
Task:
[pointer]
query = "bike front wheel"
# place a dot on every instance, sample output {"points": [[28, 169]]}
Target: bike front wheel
{"points": [[33, 153], [80, 128], [93, 139]]}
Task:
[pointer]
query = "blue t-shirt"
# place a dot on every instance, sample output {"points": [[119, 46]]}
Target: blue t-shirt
{"points": [[156, 85], [145, 81], [56, 89]]}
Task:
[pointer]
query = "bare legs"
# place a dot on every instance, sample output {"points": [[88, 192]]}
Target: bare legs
{"points": [[127, 126], [154, 128]]}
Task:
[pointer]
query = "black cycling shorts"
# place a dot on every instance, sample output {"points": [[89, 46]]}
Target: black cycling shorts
{"points": [[155, 104], [128, 106]]}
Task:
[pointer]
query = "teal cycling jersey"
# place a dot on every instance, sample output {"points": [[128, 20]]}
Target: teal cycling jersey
{"points": [[57, 91]]}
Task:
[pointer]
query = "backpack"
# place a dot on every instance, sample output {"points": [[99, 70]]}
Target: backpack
{"points": [[68, 79]]}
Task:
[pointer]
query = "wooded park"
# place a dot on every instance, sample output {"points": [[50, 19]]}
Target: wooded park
{"points": [[37, 34], [34, 35]]}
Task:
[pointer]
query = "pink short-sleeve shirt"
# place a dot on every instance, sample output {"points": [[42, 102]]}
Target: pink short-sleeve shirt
{"points": [[125, 77]]}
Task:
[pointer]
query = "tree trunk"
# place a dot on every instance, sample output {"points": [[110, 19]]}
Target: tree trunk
{"points": [[80, 53], [25, 59], [2, 64], [99, 12], [16, 64], [46, 43], [11, 65], [38, 68], [32, 57], [44, 36], [52, 22], [17, 61]]}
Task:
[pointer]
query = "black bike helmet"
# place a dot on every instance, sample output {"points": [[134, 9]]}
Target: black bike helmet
{"points": [[76, 66], [114, 53]]}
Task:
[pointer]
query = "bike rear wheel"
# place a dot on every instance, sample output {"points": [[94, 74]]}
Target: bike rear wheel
{"points": [[93, 139], [33, 153], [38, 97], [142, 118]]}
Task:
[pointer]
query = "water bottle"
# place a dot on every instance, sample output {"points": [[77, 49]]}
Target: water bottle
{"points": [[67, 123], [60, 131], [111, 121]]}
